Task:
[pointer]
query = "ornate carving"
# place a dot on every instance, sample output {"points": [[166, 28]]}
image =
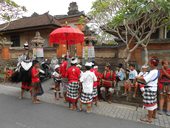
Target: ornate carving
{"points": [[38, 41], [4, 42], [73, 9]]}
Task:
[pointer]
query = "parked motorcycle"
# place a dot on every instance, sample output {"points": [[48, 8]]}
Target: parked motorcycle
{"points": [[45, 71], [54, 62]]}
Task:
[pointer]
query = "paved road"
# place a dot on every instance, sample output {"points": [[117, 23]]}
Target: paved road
{"points": [[15, 113], [116, 111], [46, 85]]}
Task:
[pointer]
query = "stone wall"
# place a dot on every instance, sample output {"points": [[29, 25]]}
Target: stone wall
{"points": [[48, 52], [104, 55], [159, 48], [15, 52], [112, 55], [109, 54]]}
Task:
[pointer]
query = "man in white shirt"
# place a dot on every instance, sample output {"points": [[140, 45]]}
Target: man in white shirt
{"points": [[87, 79], [132, 73], [150, 90], [131, 80]]}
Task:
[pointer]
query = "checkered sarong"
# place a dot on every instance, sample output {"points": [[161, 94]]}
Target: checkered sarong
{"points": [[64, 82], [86, 97], [95, 92], [72, 90], [56, 80], [150, 97]]}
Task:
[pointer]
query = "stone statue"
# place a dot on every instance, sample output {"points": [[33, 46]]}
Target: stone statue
{"points": [[37, 44], [4, 42], [38, 41]]}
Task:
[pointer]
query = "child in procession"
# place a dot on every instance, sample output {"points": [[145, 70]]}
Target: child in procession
{"points": [[143, 73], [57, 79], [36, 84]]}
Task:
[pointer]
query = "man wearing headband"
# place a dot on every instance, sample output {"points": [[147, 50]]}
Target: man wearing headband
{"points": [[73, 74], [108, 83], [63, 69], [87, 79], [150, 90]]}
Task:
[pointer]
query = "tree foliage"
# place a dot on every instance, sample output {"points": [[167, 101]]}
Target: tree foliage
{"points": [[10, 10], [131, 20]]}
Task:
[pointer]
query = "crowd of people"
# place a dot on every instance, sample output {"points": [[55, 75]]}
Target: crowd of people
{"points": [[86, 86]]}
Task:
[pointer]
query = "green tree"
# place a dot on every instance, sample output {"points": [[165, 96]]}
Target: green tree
{"points": [[131, 20], [9, 10]]}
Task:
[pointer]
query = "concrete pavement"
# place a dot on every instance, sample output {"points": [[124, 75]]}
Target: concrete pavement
{"points": [[116, 111], [15, 113]]}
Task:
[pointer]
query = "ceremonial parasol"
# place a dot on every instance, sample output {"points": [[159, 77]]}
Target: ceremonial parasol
{"points": [[66, 35]]}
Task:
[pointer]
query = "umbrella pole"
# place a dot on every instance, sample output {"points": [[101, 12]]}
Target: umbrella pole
{"points": [[67, 46], [67, 50]]}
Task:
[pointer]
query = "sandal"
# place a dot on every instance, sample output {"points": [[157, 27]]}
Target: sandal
{"points": [[168, 113], [79, 110], [109, 102], [145, 120], [124, 94], [96, 104], [154, 117], [161, 112], [21, 98], [73, 109], [36, 102], [88, 111], [134, 96]]}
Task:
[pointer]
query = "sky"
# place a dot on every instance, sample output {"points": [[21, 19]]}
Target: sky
{"points": [[55, 7]]}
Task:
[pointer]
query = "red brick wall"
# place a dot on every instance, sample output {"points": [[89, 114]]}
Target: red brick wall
{"points": [[159, 48]]}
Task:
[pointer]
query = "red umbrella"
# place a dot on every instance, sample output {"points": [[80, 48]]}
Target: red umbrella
{"points": [[66, 35]]}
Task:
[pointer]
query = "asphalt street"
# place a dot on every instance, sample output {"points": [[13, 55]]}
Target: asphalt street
{"points": [[47, 84], [15, 113]]}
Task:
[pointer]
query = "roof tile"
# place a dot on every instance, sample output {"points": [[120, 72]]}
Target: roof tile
{"points": [[33, 21]]}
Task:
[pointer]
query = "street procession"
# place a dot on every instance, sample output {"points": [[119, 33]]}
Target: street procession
{"points": [[109, 67]]}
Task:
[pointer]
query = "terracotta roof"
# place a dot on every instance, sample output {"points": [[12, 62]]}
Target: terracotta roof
{"points": [[60, 16], [119, 45], [34, 21], [162, 41]]}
